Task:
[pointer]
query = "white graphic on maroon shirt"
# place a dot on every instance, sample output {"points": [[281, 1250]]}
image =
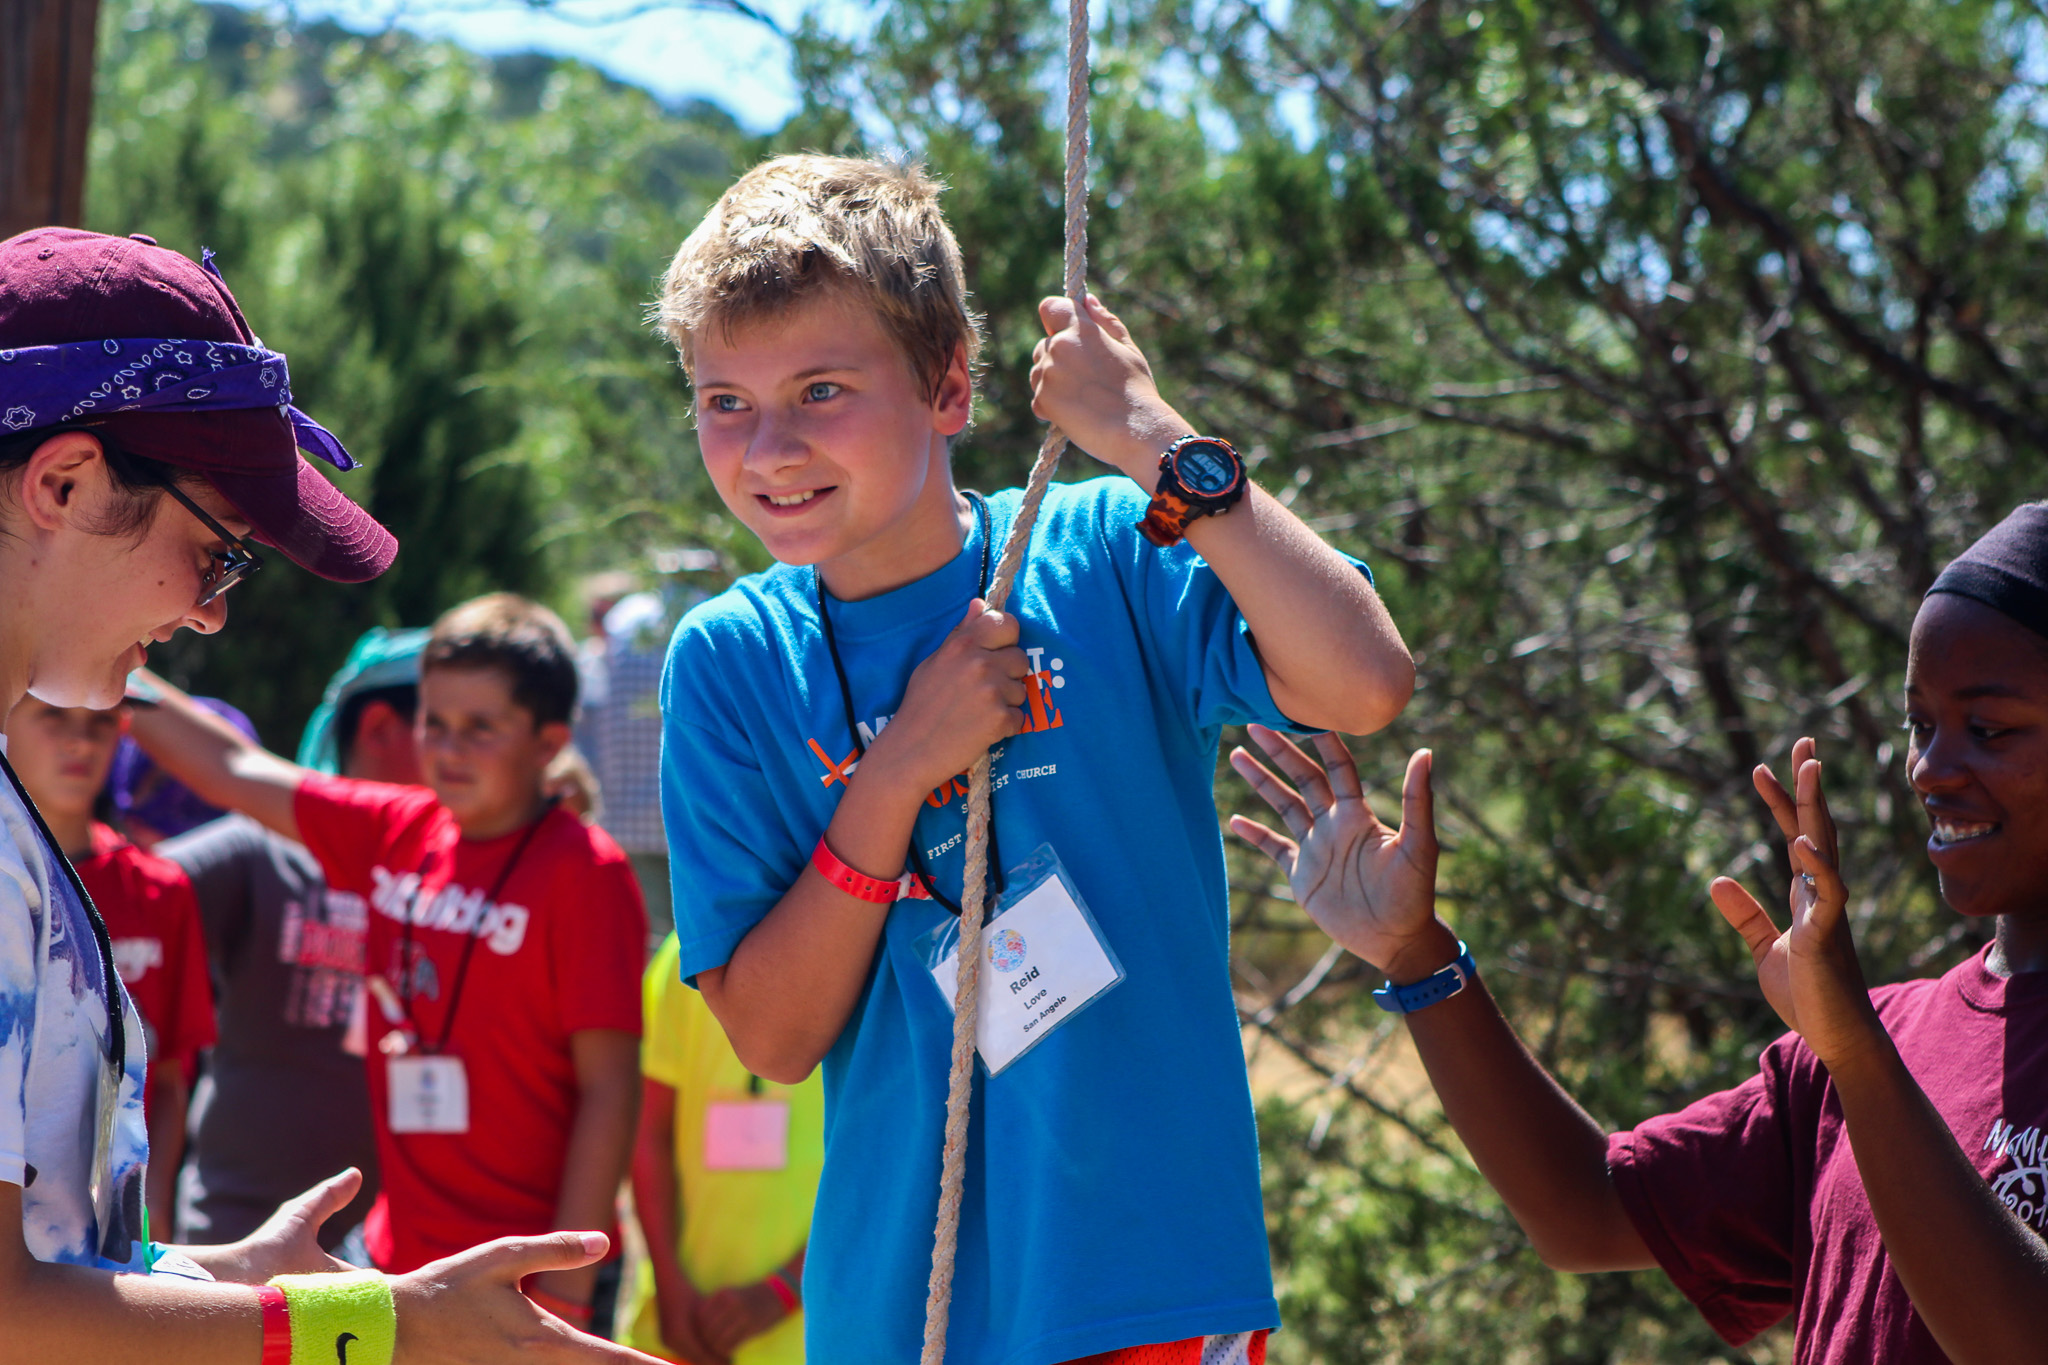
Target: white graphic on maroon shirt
{"points": [[2024, 1188]]}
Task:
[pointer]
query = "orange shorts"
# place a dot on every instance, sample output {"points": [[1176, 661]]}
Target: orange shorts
{"points": [[1242, 1348]]}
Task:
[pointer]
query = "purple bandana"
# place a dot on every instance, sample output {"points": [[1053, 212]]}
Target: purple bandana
{"points": [[45, 385]]}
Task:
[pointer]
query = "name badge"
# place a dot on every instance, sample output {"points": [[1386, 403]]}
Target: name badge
{"points": [[1044, 961], [428, 1094], [746, 1135]]}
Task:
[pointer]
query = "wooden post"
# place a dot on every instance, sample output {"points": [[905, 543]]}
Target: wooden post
{"points": [[46, 57]]}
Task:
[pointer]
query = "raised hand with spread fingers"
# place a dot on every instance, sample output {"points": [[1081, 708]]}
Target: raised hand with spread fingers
{"points": [[1371, 888], [1808, 970]]}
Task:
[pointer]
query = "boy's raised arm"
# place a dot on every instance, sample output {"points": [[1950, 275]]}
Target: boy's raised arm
{"points": [[1374, 890], [1332, 656], [218, 762]]}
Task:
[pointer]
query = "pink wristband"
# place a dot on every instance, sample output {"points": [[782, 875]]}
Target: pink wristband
{"points": [[277, 1326], [856, 884], [782, 1290]]}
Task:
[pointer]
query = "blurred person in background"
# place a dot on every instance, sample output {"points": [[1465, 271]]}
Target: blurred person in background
{"points": [[724, 1176], [619, 731], [571, 784], [504, 947], [282, 1105], [63, 754], [148, 804]]}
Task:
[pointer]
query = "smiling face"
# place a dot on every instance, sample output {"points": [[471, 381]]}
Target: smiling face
{"points": [[62, 754], [1977, 717], [95, 600], [481, 751], [819, 438]]}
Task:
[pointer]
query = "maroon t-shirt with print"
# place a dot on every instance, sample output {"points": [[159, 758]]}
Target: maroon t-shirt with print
{"points": [[1751, 1201]]}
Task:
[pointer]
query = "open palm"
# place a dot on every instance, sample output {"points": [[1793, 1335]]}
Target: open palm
{"points": [[1371, 888]]}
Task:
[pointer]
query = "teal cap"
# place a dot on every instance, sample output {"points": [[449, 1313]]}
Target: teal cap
{"points": [[382, 658]]}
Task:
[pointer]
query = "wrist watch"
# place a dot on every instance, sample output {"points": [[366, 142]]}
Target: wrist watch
{"points": [[1438, 986], [1199, 476]]}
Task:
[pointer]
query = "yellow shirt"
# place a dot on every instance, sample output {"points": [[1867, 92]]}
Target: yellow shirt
{"points": [[736, 1226]]}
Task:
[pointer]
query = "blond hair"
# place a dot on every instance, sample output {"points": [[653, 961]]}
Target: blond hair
{"points": [[801, 226]]}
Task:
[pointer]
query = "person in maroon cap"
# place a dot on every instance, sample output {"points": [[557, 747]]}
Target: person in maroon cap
{"points": [[146, 438]]}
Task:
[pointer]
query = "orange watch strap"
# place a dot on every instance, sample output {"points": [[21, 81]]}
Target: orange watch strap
{"points": [[1166, 520]]}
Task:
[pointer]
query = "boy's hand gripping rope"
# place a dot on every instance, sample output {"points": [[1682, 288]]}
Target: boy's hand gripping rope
{"points": [[974, 891]]}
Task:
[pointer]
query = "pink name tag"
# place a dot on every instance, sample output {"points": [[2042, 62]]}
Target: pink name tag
{"points": [[746, 1135]]}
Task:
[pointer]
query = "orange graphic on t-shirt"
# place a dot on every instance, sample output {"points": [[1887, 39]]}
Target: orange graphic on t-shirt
{"points": [[1040, 715]]}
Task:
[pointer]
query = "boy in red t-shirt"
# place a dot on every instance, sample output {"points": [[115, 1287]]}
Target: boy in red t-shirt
{"points": [[62, 754], [505, 944]]}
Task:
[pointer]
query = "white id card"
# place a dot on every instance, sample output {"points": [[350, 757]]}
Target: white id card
{"points": [[428, 1094], [746, 1135], [1043, 960]]}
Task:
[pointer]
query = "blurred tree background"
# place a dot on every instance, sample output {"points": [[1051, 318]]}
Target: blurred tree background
{"points": [[1655, 355], [455, 252]]}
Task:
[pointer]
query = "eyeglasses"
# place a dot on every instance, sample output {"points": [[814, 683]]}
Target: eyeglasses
{"points": [[229, 566]]}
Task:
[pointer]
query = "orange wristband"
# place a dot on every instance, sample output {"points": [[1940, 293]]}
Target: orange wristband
{"points": [[859, 885], [277, 1326]]}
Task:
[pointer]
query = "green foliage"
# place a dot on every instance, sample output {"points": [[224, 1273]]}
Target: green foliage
{"points": [[1655, 356], [456, 254]]}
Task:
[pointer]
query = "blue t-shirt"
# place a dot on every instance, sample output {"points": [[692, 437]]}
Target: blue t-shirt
{"points": [[1112, 1191]]}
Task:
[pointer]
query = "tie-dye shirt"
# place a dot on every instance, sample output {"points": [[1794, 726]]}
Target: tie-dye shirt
{"points": [[57, 1100]]}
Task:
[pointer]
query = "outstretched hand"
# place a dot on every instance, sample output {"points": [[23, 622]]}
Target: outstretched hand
{"points": [[1371, 888], [1808, 971], [466, 1309], [288, 1243]]}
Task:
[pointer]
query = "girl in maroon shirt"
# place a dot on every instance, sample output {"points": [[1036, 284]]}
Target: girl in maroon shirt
{"points": [[1885, 1175]]}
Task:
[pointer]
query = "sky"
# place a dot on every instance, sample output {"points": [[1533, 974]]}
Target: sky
{"points": [[675, 48]]}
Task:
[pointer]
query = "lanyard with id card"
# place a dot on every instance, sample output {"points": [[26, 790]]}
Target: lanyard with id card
{"points": [[1047, 957], [428, 1090], [1044, 961]]}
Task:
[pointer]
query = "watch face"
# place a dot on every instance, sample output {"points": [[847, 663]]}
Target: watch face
{"points": [[1205, 467]]}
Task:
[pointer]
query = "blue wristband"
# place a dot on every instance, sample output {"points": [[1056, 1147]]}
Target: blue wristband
{"points": [[1431, 990]]}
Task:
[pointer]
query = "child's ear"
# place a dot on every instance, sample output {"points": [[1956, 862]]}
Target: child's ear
{"points": [[554, 737], [953, 403]]}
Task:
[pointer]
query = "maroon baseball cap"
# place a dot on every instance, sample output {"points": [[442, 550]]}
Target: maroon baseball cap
{"points": [[60, 285]]}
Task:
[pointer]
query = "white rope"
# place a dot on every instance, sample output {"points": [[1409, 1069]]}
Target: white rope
{"points": [[966, 996]]}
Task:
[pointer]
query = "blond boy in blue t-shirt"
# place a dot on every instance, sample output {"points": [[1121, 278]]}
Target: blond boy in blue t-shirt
{"points": [[818, 722]]}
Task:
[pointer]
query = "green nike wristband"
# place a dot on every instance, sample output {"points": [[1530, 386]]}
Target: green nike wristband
{"points": [[341, 1319]]}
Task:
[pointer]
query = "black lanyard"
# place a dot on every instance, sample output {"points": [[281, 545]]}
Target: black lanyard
{"points": [[995, 853], [117, 1010], [405, 995]]}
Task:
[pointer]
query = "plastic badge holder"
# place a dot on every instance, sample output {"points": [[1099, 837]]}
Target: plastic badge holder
{"points": [[1045, 959]]}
